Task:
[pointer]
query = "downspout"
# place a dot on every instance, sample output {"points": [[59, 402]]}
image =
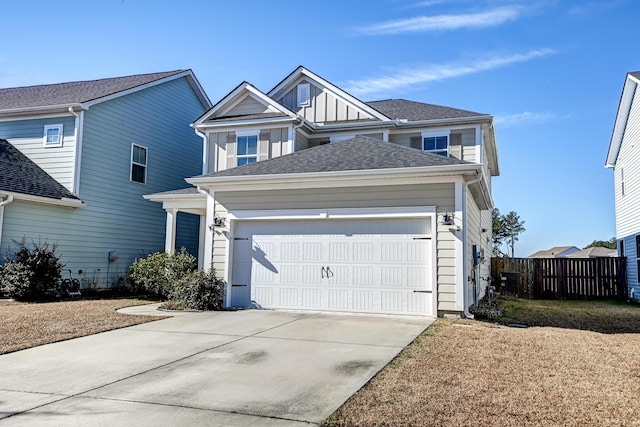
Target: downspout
{"points": [[295, 128], [465, 296], [78, 131], [205, 152], [4, 203]]}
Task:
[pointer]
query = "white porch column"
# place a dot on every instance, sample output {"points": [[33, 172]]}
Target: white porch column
{"points": [[170, 233], [201, 241], [207, 257]]}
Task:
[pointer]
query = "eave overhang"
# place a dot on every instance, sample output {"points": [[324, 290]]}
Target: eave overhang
{"points": [[624, 108]]}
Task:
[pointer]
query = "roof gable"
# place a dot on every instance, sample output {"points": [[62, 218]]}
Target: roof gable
{"points": [[624, 109], [88, 92], [245, 102], [284, 89], [18, 174], [359, 153]]}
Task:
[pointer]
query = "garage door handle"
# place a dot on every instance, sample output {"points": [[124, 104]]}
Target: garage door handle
{"points": [[322, 272], [421, 292], [237, 286], [422, 238]]}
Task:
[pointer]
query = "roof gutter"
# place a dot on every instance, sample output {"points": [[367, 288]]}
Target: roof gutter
{"points": [[44, 108], [65, 201]]}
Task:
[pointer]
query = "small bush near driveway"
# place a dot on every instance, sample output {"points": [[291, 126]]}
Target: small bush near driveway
{"points": [[174, 277]]}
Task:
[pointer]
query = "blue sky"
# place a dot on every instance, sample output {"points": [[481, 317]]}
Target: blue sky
{"points": [[551, 72]]}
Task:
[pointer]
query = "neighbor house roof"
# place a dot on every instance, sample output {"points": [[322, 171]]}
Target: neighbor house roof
{"points": [[594, 252], [417, 111], [359, 153], [62, 94], [555, 252], [18, 174]]}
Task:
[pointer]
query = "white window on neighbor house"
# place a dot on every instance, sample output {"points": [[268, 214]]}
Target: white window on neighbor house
{"points": [[52, 136], [304, 95], [247, 148], [436, 144], [138, 164]]}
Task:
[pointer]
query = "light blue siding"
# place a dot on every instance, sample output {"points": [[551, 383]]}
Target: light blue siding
{"points": [[630, 251], [27, 136], [116, 216]]}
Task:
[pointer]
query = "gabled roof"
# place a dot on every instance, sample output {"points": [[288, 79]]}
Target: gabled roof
{"points": [[219, 112], [83, 92], [359, 153], [624, 108], [418, 111], [594, 252], [555, 252], [18, 174]]}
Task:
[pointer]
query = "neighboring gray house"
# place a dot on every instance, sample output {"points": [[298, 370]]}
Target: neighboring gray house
{"points": [[555, 252], [624, 158], [76, 159], [312, 199], [594, 252]]}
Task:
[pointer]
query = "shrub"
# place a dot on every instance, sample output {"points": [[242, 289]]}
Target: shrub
{"points": [[32, 273], [488, 308], [159, 271], [174, 277]]}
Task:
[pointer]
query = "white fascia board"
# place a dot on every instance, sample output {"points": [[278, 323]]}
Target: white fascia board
{"points": [[450, 122], [186, 73], [324, 84], [41, 112], [262, 123], [400, 176], [70, 203], [624, 108], [159, 197]]}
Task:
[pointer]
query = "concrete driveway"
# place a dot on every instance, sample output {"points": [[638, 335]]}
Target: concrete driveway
{"points": [[268, 368]]}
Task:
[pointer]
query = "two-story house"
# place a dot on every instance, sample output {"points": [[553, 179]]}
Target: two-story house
{"points": [[76, 159], [312, 199], [624, 158]]}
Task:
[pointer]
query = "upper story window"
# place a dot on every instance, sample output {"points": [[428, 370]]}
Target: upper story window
{"points": [[436, 144], [138, 164], [52, 136], [304, 95], [247, 149]]}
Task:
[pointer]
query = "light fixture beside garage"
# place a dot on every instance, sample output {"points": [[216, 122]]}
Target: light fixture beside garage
{"points": [[218, 222], [449, 219]]}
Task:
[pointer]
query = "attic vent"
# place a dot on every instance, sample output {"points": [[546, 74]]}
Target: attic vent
{"points": [[304, 95]]}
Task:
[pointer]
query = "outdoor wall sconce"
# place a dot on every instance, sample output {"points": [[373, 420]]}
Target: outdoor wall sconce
{"points": [[217, 222], [447, 219]]}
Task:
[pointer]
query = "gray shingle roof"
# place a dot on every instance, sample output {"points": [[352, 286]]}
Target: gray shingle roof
{"points": [[18, 174], [73, 92], [414, 111], [635, 74], [359, 153]]}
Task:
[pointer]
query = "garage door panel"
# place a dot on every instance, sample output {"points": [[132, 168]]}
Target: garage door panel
{"points": [[340, 265]]}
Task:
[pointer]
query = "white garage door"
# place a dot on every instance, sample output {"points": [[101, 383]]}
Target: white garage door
{"points": [[369, 266]]}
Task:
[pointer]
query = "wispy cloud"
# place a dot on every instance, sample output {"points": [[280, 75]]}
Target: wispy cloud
{"points": [[523, 119], [593, 7], [490, 18], [431, 73]]}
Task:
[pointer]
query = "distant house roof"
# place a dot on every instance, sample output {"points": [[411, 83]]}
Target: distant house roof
{"points": [[416, 111], [77, 92], [555, 252], [359, 153], [18, 174], [594, 252]]}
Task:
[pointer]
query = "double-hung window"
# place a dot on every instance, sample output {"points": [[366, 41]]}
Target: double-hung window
{"points": [[436, 144], [138, 164], [52, 136], [247, 146]]}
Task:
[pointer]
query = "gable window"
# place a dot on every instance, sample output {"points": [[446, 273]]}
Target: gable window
{"points": [[52, 136], [247, 149], [138, 164], [304, 95], [436, 144]]}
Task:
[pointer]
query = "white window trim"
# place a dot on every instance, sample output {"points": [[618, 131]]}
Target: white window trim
{"points": [[248, 132], [432, 134], [60, 136], [146, 165], [304, 94]]}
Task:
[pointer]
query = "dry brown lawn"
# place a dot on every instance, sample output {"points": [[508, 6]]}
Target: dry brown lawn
{"points": [[24, 325], [471, 373]]}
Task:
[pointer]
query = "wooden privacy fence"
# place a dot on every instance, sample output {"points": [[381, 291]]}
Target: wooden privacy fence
{"points": [[561, 278]]}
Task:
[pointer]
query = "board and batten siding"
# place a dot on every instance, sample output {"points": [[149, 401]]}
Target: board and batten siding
{"points": [[324, 106], [439, 195], [248, 106], [627, 211], [28, 136], [116, 216]]}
